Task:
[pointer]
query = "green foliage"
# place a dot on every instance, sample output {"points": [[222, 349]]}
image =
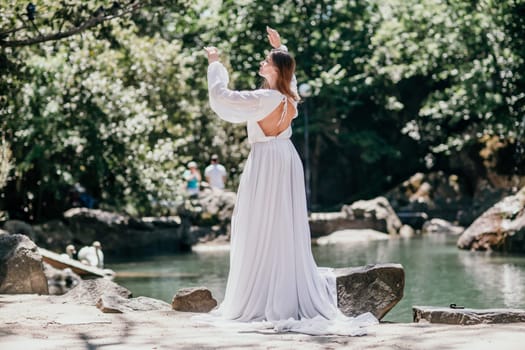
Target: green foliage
{"points": [[118, 111]]}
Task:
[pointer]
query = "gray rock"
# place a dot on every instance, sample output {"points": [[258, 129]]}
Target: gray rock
{"points": [[19, 227], [53, 235], [322, 224], [352, 236], [441, 226], [407, 231], [375, 214], [217, 203], [21, 269], [89, 292], [434, 192], [502, 227], [379, 212], [120, 235], [431, 314], [60, 281], [197, 299], [372, 288], [116, 304]]}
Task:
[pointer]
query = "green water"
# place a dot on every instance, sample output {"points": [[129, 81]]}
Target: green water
{"points": [[437, 273]]}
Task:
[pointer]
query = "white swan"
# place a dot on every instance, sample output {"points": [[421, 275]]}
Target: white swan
{"points": [[70, 250], [92, 256]]}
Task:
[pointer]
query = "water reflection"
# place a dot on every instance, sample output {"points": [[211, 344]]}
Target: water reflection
{"points": [[437, 273], [501, 279]]}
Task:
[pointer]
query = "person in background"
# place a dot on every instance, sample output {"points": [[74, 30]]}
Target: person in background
{"points": [[215, 173], [192, 176]]}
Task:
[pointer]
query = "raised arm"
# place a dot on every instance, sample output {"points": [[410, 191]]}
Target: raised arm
{"points": [[275, 40], [236, 106]]}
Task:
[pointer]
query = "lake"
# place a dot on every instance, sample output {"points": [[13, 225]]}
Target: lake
{"points": [[437, 273]]}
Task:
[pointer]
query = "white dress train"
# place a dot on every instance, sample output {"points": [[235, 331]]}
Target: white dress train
{"points": [[273, 277]]}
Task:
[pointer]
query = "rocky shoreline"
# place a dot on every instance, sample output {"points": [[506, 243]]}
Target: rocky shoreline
{"points": [[47, 322], [206, 220], [88, 316]]}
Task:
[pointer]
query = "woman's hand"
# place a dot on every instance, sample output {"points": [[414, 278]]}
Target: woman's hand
{"points": [[213, 53], [273, 37]]}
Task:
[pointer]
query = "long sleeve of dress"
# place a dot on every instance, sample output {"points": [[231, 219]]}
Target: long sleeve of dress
{"points": [[238, 106]]}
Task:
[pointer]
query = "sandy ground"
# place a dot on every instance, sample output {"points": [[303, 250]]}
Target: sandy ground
{"points": [[34, 322]]}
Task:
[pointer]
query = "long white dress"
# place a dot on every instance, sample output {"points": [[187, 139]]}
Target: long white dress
{"points": [[273, 276]]}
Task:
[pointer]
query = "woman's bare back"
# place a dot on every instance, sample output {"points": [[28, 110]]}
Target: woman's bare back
{"points": [[275, 122]]}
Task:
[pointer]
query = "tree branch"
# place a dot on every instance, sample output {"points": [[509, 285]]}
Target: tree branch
{"points": [[90, 23]]}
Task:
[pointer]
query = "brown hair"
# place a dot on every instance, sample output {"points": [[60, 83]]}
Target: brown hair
{"points": [[285, 65]]}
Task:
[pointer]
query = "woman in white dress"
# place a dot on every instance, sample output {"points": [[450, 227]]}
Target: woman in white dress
{"points": [[273, 276]]}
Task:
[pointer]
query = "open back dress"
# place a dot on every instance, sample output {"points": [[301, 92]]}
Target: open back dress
{"points": [[273, 276]]}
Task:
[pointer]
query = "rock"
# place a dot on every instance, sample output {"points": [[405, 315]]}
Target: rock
{"points": [[322, 224], [485, 196], [210, 211], [120, 235], [407, 231], [219, 244], [116, 304], [90, 291], [466, 316], [502, 227], [2, 232], [19, 227], [53, 235], [60, 281], [21, 269], [197, 299], [423, 195], [352, 236], [374, 288], [442, 226], [218, 204], [435, 192], [379, 212], [375, 214]]}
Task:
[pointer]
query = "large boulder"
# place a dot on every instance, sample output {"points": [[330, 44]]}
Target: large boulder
{"points": [[434, 192], [378, 212], [447, 196], [120, 235], [431, 314], [89, 292], [375, 214], [19, 227], [118, 304], [217, 205], [441, 226], [21, 269], [54, 235], [502, 227], [372, 288], [322, 224], [198, 299], [210, 213]]}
